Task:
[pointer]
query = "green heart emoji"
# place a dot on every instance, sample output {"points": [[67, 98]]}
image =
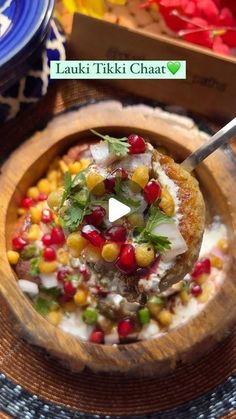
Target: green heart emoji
{"points": [[173, 67]]}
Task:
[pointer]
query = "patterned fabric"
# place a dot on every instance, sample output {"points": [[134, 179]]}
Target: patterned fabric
{"points": [[17, 402], [35, 85]]}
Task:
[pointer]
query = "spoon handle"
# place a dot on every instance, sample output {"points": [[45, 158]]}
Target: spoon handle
{"points": [[221, 137]]}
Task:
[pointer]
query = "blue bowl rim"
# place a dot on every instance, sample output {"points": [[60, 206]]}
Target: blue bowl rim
{"points": [[40, 24]]}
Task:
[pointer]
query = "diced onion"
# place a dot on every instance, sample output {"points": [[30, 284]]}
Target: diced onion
{"points": [[149, 330], [132, 161], [49, 281], [101, 154], [28, 287], [112, 338], [178, 244]]}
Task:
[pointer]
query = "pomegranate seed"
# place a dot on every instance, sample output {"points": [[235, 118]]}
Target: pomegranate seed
{"points": [[120, 172], [137, 144], [110, 183], [203, 266], [42, 197], [62, 274], [69, 288], [126, 262], [97, 336], [100, 291], [58, 236], [47, 216], [84, 271], [49, 254], [152, 191], [90, 233], [196, 290], [26, 203], [47, 239], [125, 327], [19, 243], [64, 298], [96, 217], [116, 233]]}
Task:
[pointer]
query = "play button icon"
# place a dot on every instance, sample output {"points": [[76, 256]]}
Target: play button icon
{"points": [[116, 210]]}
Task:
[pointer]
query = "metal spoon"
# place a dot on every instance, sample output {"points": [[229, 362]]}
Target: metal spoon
{"points": [[221, 137]]}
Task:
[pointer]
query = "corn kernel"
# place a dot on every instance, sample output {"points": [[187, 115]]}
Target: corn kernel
{"points": [[56, 220], [201, 279], [167, 203], [54, 317], [165, 317], [76, 242], [44, 186], [52, 175], [13, 257], [34, 232], [21, 211], [141, 176], [206, 292], [36, 215], [136, 220], [80, 298], [184, 296], [85, 163], [92, 254], [54, 199], [223, 245], [110, 252], [95, 183], [75, 168], [155, 305], [47, 267], [63, 256], [53, 186], [63, 166], [33, 192], [144, 255], [216, 262]]}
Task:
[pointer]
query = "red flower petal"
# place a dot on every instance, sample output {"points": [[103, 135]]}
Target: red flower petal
{"points": [[229, 38], [220, 47], [208, 10], [226, 17]]}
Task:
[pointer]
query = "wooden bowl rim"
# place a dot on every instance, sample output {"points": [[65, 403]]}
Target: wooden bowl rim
{"points": [[172, 345]]}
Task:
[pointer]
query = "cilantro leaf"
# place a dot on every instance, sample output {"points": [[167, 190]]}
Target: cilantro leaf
{"points": [[118, 146], [34, 266], [122, 191], [42, 306], [146, 235], [156, 217], [72, 217], [67, 187]]}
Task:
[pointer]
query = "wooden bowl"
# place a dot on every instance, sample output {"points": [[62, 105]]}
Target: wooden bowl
{"points": [[27, 164]]}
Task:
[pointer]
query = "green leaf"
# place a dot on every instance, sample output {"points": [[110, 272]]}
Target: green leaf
{"points": [[122, 191], [117, 146], [67, 187], [34, 266], [156, 217], [29, 252], [42, 305], [52, 292]]}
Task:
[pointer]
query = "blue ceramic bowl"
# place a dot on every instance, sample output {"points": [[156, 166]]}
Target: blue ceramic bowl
{"points": [[29, 39], [24, 26]]}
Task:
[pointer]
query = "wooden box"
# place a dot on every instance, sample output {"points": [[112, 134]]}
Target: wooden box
{"points": [[210, 87]]}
